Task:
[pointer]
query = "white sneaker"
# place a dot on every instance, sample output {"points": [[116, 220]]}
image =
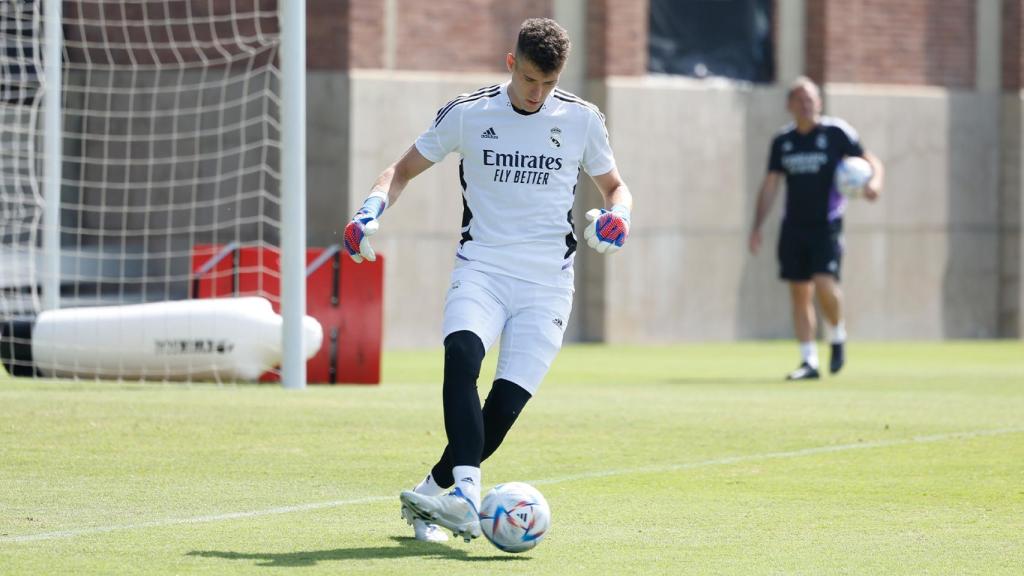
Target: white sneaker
{"points": [[452, 510], [424, 532]]}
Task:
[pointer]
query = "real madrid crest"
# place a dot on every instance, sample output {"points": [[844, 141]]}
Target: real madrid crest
{"points": [[821, 142], [555, 138]]}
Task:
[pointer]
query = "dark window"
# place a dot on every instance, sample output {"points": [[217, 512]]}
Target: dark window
{"points": [[729, 38], [18, 81]]}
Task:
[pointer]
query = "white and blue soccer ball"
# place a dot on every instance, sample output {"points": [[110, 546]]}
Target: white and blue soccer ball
{"points": [[852, 174], [514, 516]]}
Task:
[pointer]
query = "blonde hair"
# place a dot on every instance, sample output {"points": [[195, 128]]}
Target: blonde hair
{"points": [[802, 82]]}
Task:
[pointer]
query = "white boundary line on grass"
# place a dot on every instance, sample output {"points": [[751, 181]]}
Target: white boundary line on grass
{"points": [[569, 478]]}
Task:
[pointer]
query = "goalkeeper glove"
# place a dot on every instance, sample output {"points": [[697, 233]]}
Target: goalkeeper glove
{"points": [[363, 225], [608, 229]]}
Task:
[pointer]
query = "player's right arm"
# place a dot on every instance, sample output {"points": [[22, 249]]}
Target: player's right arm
{"points": [[386, 189], [396, 177], [765, 198], [441, 138]]}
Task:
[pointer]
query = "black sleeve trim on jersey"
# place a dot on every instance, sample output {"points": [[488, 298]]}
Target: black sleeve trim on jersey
{"points": [[467, 214], [570, 238], [461, 97], [570, 97], [488, 92]]}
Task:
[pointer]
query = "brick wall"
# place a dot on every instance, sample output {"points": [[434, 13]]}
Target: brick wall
{"points": [[617, 38], [1013, 46], [145, 34], [461, 35], [916, 42], [328, 34], [814, 41], [442, 35]]}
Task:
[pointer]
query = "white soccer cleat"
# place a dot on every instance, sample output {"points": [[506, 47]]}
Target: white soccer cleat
{"points": [[452, 511], [424, 531]]}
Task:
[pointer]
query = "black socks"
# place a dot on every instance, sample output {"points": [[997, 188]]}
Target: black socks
{"points": [[473, 433], [463, 418]]}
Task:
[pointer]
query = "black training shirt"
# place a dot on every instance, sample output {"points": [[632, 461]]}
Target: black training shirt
{"points": [[809, 162]]}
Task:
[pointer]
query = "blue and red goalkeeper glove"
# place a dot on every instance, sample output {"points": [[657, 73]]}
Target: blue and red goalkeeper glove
{"points": [[363, 225], [607, 229]]}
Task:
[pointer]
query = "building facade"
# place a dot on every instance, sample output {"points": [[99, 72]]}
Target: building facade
{"points": [[933, 86]]}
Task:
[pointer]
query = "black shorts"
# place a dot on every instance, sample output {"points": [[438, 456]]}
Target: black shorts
{"points": [[809, 249]]}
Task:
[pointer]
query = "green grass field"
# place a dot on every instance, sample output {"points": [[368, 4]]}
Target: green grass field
{"points": [[693, 459]]}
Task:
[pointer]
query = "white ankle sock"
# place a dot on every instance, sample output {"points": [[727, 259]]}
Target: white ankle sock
{"points": [[838, 332], [428, 487], [809, 353], [467, 479]]}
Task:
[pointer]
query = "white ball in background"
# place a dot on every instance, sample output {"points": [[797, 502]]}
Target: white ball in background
{"points": [[852, 174]]}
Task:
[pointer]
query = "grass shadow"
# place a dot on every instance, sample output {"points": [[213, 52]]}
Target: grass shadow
{"points": [[725, 380], [407, 547]]}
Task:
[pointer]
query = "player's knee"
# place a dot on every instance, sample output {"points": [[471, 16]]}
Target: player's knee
{"points": [[506, 400], [463, 353]]}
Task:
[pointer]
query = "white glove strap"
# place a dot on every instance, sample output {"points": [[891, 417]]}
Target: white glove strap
{"points": [[379, 193]]}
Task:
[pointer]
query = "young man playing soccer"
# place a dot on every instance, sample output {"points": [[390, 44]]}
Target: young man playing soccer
{"points": [[522, 144], [810, 243]]}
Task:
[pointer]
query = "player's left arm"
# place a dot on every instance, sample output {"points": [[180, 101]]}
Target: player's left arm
{"points": [[608, 227], [873, 189], [613, 189], [854, 147]]}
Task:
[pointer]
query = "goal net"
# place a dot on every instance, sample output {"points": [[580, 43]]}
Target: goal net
{"points": [[171, 148]]}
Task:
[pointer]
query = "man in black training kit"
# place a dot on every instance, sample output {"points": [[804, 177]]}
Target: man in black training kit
{"points": [[810, 249], [522, 146]]}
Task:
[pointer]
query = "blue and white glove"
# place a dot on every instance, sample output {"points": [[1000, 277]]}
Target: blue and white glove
{"points": [[363, 225], [607, 229]]}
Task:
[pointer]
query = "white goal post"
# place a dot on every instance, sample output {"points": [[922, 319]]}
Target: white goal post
{"points": [[134, 132]]}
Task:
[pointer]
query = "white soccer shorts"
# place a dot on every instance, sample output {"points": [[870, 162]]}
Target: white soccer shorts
{"points": [[530, 318]]}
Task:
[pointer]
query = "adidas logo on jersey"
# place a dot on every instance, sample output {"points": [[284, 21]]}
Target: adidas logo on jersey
{"points": [[490, 133]]}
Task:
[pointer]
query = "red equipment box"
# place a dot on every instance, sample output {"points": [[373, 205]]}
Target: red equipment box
{"points": [[345, 297]]}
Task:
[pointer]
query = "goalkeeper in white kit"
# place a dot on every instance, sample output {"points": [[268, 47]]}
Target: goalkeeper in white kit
{"points": [[522, 144]]}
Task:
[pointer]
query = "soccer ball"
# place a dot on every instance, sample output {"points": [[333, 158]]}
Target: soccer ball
{"points": [[852, 174], [514, 516]]}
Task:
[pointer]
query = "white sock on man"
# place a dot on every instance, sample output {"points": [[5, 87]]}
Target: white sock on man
{"points": [[467, 480], [809, 353], [428, 487], [838, 332]]}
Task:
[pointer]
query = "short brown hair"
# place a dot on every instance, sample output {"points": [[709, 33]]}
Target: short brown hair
{"points": [[543, 42]]}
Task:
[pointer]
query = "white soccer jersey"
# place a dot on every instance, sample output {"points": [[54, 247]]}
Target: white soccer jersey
{"points": [[518, 174]]}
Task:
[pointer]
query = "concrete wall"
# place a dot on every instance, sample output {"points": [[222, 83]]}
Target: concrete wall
{"points": [[923, 262], [420, 232], [327, 156], [927, 261], [693, 154], [939, 256], [156, 162], [1011, 253]]}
